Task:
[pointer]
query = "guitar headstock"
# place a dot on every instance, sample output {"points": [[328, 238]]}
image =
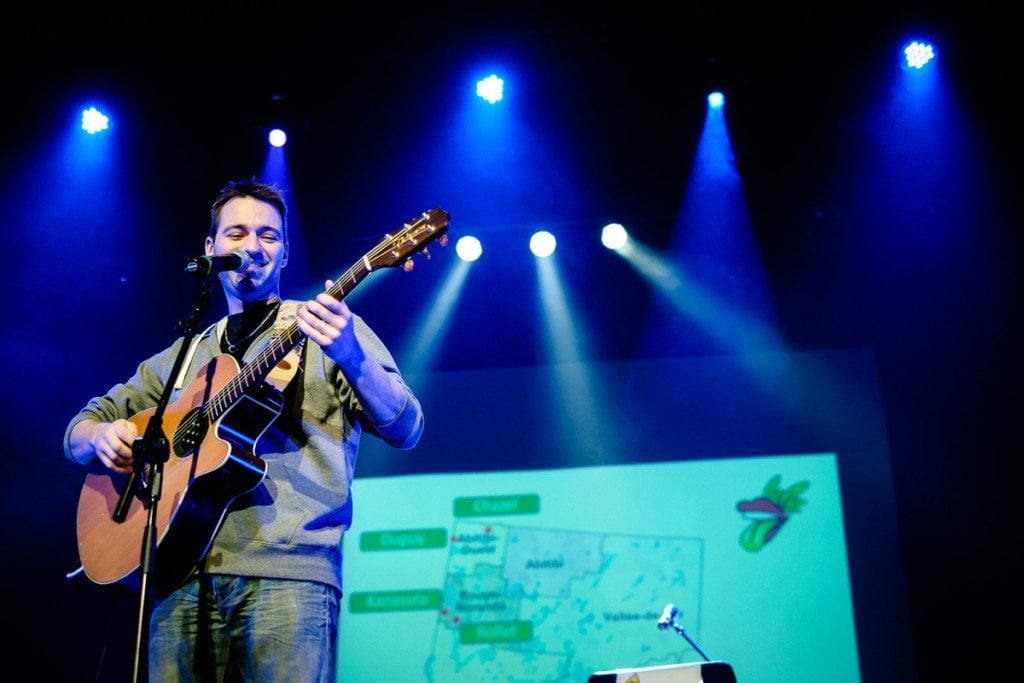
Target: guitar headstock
{"points": [[397, 248]]}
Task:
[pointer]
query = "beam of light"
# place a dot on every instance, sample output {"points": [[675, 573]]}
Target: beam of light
{"points": [[419, 352], [923, 202], [581, 404], [714, 260], [563, 339], [275, 167], [299, 270], [731, 327], [416, 353]]}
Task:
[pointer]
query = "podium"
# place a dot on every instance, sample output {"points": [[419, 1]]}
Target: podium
{"points": [[698, 672]]}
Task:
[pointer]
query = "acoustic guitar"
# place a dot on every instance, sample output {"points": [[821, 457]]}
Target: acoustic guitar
{"points": [[212, 429]]}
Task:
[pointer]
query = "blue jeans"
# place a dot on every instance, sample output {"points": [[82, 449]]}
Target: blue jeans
{"points": [[231, 628]]}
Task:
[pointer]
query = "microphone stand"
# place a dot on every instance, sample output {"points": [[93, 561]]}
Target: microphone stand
{"points": [[153, 450], [682, 631]]}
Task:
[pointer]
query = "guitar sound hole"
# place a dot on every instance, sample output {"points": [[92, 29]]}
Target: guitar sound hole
{"points": [[190, 433]]}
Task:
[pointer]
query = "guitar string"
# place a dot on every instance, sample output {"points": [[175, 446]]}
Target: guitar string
{"points": [[277, 344]]}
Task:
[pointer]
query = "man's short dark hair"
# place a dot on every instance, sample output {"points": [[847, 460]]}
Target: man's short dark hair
{"points": [[265, 192]]}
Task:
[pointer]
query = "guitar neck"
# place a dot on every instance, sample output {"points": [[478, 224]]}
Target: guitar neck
{"points": [[255, 371]]}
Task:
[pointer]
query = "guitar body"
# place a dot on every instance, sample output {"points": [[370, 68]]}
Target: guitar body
{"points": [[209, 466]]}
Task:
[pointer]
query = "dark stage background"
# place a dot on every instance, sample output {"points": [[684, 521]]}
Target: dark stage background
{"points": [[927, 279]]}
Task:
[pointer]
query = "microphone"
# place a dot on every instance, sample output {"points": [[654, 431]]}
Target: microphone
{"points": [[668, 617], [206, 265]]}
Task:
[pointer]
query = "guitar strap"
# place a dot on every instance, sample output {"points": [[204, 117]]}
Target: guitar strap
{"points": [[282, 374], [180, 382]]}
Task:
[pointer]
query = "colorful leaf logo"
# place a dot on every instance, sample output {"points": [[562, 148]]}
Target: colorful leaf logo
{"points": [[769, 511]]}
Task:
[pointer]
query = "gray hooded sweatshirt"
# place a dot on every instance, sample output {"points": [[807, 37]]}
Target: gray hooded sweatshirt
{"points": [[291, 524]]}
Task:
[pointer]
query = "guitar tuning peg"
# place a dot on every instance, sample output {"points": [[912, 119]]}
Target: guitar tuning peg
{"points": [[407, 266], [426, 253], [444, 240]]}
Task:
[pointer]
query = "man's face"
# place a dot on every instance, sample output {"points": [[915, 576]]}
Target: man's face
{"points": [[255, 227]]}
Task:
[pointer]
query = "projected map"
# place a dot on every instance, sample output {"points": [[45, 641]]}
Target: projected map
{"points": [[515, 577], [519, 602]]}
